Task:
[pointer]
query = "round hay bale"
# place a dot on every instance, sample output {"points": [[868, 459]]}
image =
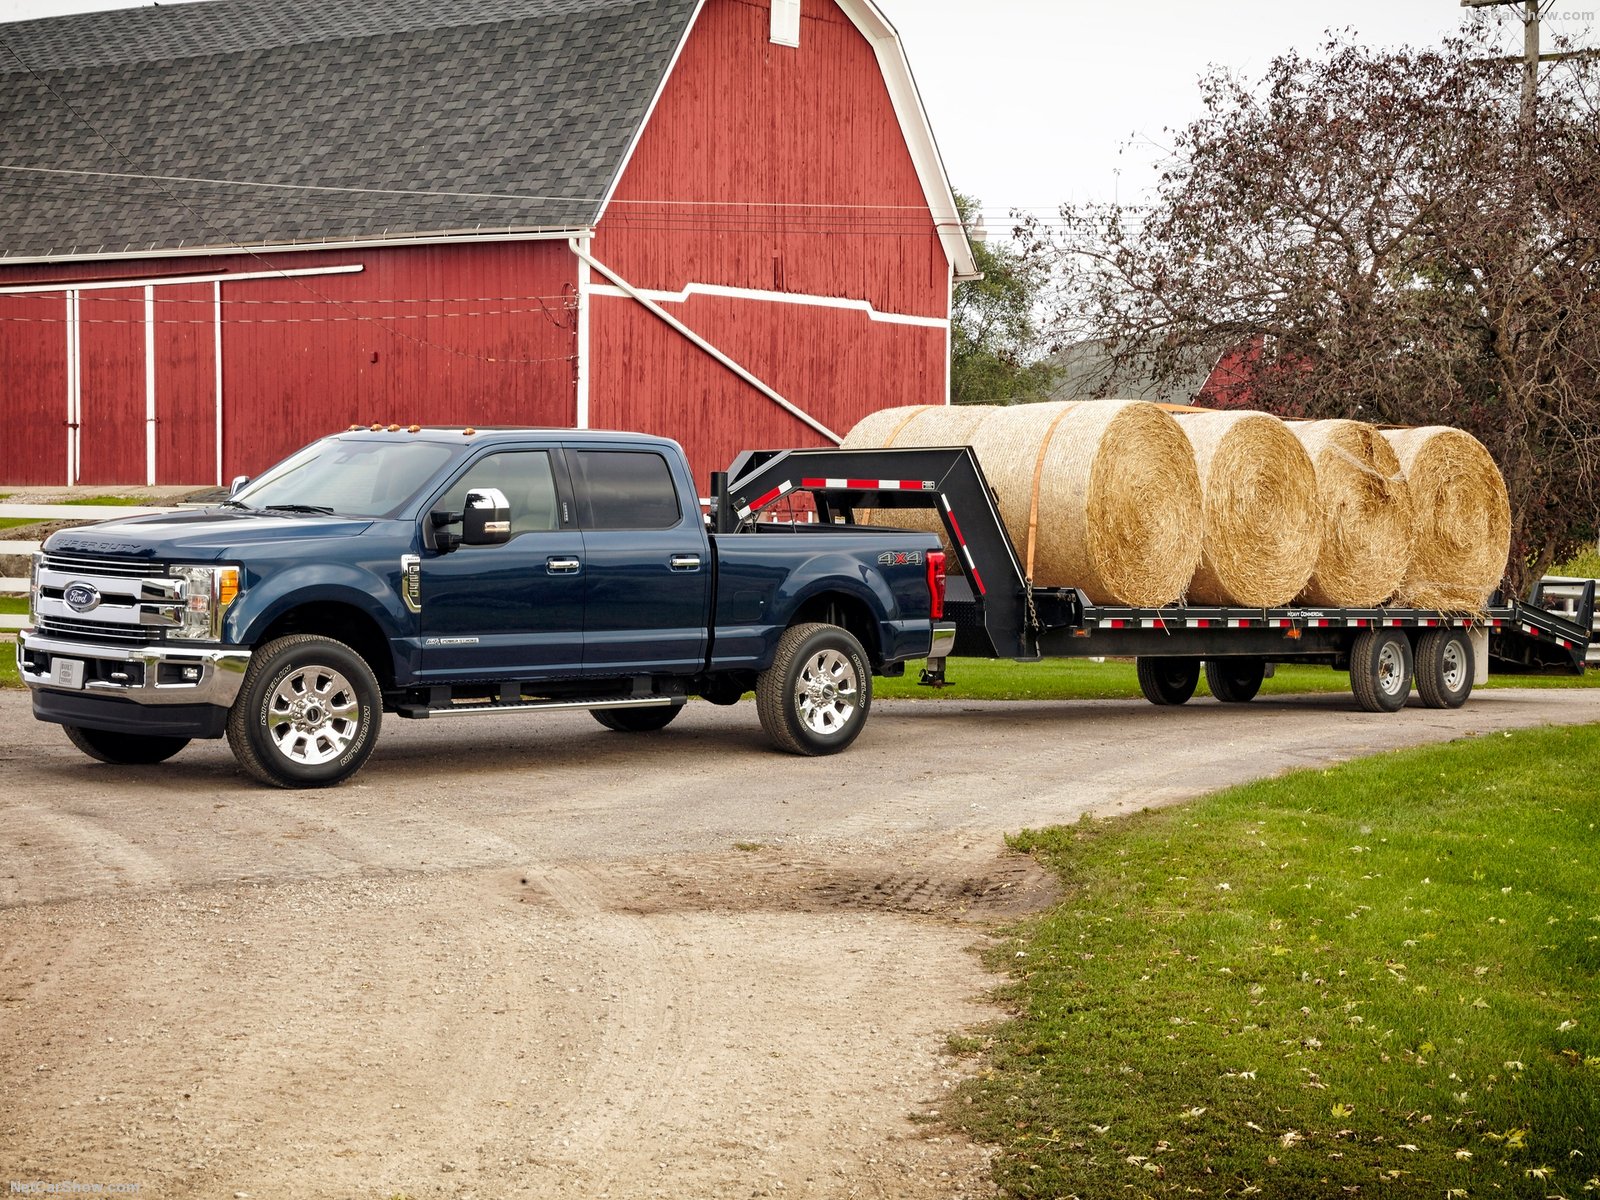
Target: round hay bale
{"points": [[875, 430], [1460, 519], [1261, 524], [919, 425], [1109, 489], [1366, 514], [915, 425]]}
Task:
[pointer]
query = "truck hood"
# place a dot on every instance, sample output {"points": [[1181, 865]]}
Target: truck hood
{"points": [[199, 536]]}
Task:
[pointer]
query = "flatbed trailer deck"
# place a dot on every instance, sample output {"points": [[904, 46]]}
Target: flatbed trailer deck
{"points": [[997, 612]]}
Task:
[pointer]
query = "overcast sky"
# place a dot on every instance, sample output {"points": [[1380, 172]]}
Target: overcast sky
{"points": [[1035, 102]]}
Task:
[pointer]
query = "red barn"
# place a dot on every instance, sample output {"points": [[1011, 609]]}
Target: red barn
{"points": [[228, 227]]}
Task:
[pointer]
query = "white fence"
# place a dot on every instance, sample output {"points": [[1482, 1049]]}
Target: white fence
{"points": [[12, 585]]}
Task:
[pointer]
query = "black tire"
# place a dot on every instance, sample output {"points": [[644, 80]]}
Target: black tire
{"points": [[307, 714], [815, 697], [1380, 669], [1235, 680], [1445, 668], [1168, 680], [637, 720], [124, 749]]}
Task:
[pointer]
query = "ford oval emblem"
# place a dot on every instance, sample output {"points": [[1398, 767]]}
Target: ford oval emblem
{"points": [[81, 597]]}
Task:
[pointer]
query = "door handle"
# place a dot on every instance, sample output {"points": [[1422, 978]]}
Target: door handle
{"points": [[561, 566], [684, 562]]}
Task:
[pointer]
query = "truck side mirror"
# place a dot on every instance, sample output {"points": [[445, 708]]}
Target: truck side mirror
{"points": [[237, 485], [486, 520]]}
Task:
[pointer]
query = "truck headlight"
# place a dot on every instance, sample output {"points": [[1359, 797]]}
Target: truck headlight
{"points": [[33, 589], [203, 599]]}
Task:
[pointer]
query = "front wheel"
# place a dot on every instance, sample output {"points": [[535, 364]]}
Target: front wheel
{"points": [[637, 720], [124, 749], [815, 696], [307, 714]]}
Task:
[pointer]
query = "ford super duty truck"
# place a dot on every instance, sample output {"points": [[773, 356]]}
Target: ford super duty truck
{"points": [[435, 572]]}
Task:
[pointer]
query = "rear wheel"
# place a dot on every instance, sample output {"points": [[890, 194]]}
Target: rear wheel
{"points": [[307, 714], [126, 749], [637, 720], [1235, 680], [1445, 668], [815, 696], [1168, 680], [1380, 670]]}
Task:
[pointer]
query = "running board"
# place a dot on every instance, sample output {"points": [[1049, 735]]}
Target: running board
{"points": [[421, 712]]}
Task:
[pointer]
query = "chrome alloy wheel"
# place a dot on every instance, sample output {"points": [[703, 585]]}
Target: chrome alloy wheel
{"points": [[1391, 669], [313, 715], [827, 691]]}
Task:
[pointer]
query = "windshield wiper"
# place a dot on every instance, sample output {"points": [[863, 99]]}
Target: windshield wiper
{"points": [[313, 509], [236, 504]]}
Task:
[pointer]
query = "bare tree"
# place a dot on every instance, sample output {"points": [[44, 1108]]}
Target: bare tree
{"points": [[1375, 227]]}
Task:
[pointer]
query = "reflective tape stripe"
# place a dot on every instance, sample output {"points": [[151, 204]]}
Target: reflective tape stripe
{"points": [[782, 489], [871, 485]]}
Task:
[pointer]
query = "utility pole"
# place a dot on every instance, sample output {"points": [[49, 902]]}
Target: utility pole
{"points": [[1530, 59]]}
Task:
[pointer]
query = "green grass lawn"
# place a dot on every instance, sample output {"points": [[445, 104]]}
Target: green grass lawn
{"points": [[1377, 979], [90, 501], [1114, 679], [9, 677]]}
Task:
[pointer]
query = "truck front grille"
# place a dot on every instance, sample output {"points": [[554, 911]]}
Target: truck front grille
{"points": [[121, 601]]}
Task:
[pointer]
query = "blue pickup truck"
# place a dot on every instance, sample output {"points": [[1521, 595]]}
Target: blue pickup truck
{"points": [[447, 572]]}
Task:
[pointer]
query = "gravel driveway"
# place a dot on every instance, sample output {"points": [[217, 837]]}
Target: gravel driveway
{"points": [[529, 957]]}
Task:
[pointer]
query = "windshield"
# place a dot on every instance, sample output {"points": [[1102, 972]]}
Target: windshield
{"points": [[355, 478]]}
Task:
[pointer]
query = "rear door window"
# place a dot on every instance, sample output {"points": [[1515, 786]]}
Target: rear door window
{"points": [[625, 489]]}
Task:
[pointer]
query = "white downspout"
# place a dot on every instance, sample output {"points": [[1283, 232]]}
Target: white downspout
{"points": [[699, 341]]}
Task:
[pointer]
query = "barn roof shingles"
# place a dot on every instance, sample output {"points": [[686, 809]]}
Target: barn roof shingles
{"points": [[530, 105]]}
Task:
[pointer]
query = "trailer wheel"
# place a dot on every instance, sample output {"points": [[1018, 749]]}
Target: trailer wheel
{"points": [[307, 714], [1380, 670], [815, 696], [637, 720], [1444, 668], [1168, 680], [1235, 680], [124, 749]]}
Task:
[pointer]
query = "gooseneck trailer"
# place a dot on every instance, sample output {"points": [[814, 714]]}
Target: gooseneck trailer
{"points": [[997, 612]]}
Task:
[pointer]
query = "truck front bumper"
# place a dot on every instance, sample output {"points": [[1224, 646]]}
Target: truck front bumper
{"points": [[131, 689]]}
